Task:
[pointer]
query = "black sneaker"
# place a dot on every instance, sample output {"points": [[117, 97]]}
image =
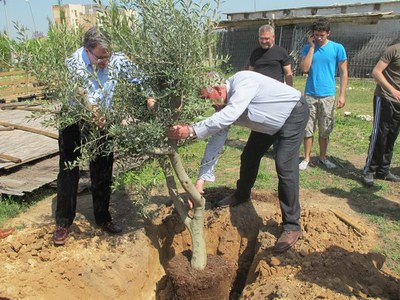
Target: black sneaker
{"points": [[368, 179], [389, 177], [111, 227]]}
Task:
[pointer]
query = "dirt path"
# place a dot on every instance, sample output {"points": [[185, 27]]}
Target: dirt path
{"points": [[332, 261]]}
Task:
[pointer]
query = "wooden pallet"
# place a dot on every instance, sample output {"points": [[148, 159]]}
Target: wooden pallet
{"points": [[24, 139], [30, 177], [19, 86]]}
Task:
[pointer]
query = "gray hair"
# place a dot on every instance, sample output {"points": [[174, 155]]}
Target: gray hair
{"points": [[266, 28], [215, 79], [96, 37]]}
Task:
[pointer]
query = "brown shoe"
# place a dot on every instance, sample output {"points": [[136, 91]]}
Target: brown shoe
{"points": [[231, 201], [5, 232], [60, 235], [287, 240], [111, 227]]}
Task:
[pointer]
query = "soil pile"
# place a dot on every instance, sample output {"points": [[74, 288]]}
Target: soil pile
{"points": [[331, 261]]}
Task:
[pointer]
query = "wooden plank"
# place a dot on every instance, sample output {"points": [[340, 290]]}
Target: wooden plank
{"points": [[349, 221], [10, 192], [12, 73], [30, 178], [29, 160], [8, 101], [30, 129], [19, 84], [11, 105], [10, 158], [6, 128], [25, 145], [23, 80], [25, 90], [30, 108]]}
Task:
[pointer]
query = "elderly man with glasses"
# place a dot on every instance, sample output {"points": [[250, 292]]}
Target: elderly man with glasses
{"points": [[97, 70], [273, 111]]}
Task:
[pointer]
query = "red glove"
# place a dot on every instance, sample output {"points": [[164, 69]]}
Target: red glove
{"points": [[178, 132]]}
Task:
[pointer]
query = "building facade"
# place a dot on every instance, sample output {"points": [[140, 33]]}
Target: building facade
{"points": [[82, 15]]}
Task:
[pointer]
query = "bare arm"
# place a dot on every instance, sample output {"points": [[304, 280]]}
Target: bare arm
{"points": [[287, 71], [344, 78], [377, 73], [307, 60]]}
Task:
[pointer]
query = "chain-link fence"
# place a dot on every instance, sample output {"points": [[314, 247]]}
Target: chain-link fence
{"points": [[364, 43]]}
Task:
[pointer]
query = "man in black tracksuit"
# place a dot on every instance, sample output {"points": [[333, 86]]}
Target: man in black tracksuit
{"points": [[386, 117]]}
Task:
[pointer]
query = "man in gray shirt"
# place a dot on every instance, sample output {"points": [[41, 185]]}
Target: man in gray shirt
{"points": [[273, 111]]}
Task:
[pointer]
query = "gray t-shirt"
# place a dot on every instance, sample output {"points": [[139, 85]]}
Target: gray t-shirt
{"points": [[391, 56]]}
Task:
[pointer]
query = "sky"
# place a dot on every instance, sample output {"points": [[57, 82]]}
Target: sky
{"points": [[34, 14]]}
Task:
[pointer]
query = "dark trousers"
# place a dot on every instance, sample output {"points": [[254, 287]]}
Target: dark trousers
{"points": [[100, 168], [385, 130], [289, 139]]}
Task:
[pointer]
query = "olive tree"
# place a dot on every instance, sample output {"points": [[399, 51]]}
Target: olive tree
{"points": [[172, 43], [5, 54]]}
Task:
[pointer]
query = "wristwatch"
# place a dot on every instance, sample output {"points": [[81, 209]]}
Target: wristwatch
{"points": [[192, 133]]}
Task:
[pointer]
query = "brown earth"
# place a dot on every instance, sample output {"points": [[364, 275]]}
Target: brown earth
{"points": [[333, 260]]}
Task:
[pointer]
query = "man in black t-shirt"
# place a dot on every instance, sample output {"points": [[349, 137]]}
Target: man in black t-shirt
{"points": [[270, 59]]}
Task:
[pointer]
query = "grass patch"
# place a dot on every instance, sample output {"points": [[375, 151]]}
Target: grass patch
{"points": [[11, 206], [389, 240]]}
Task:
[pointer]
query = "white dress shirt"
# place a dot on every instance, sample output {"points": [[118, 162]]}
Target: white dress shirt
{"points": [[254, 101]]}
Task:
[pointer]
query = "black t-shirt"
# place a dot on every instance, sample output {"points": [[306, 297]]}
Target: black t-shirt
{"points": [[270, 61]]}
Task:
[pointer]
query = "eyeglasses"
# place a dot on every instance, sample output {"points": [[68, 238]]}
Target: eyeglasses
{"points": [[99, 58]]}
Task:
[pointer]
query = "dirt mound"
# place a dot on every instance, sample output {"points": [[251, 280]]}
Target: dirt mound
{"points": [[91, 266], [331, 261]]}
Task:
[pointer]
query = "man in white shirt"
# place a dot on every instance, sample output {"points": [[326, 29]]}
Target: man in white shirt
{"points": [[273, 111]]}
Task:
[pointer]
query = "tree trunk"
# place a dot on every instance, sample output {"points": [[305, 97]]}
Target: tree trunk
{"points": [[194, 223]]}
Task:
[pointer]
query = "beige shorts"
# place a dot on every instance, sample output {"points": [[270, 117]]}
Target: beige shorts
{"points": [[321, 112]]}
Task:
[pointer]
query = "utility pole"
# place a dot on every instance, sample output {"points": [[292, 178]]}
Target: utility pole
{"points": [[33, 19], [6, 18]]}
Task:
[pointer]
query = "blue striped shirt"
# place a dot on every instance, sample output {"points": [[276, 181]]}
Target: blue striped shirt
{"points": [[100, 84]]}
